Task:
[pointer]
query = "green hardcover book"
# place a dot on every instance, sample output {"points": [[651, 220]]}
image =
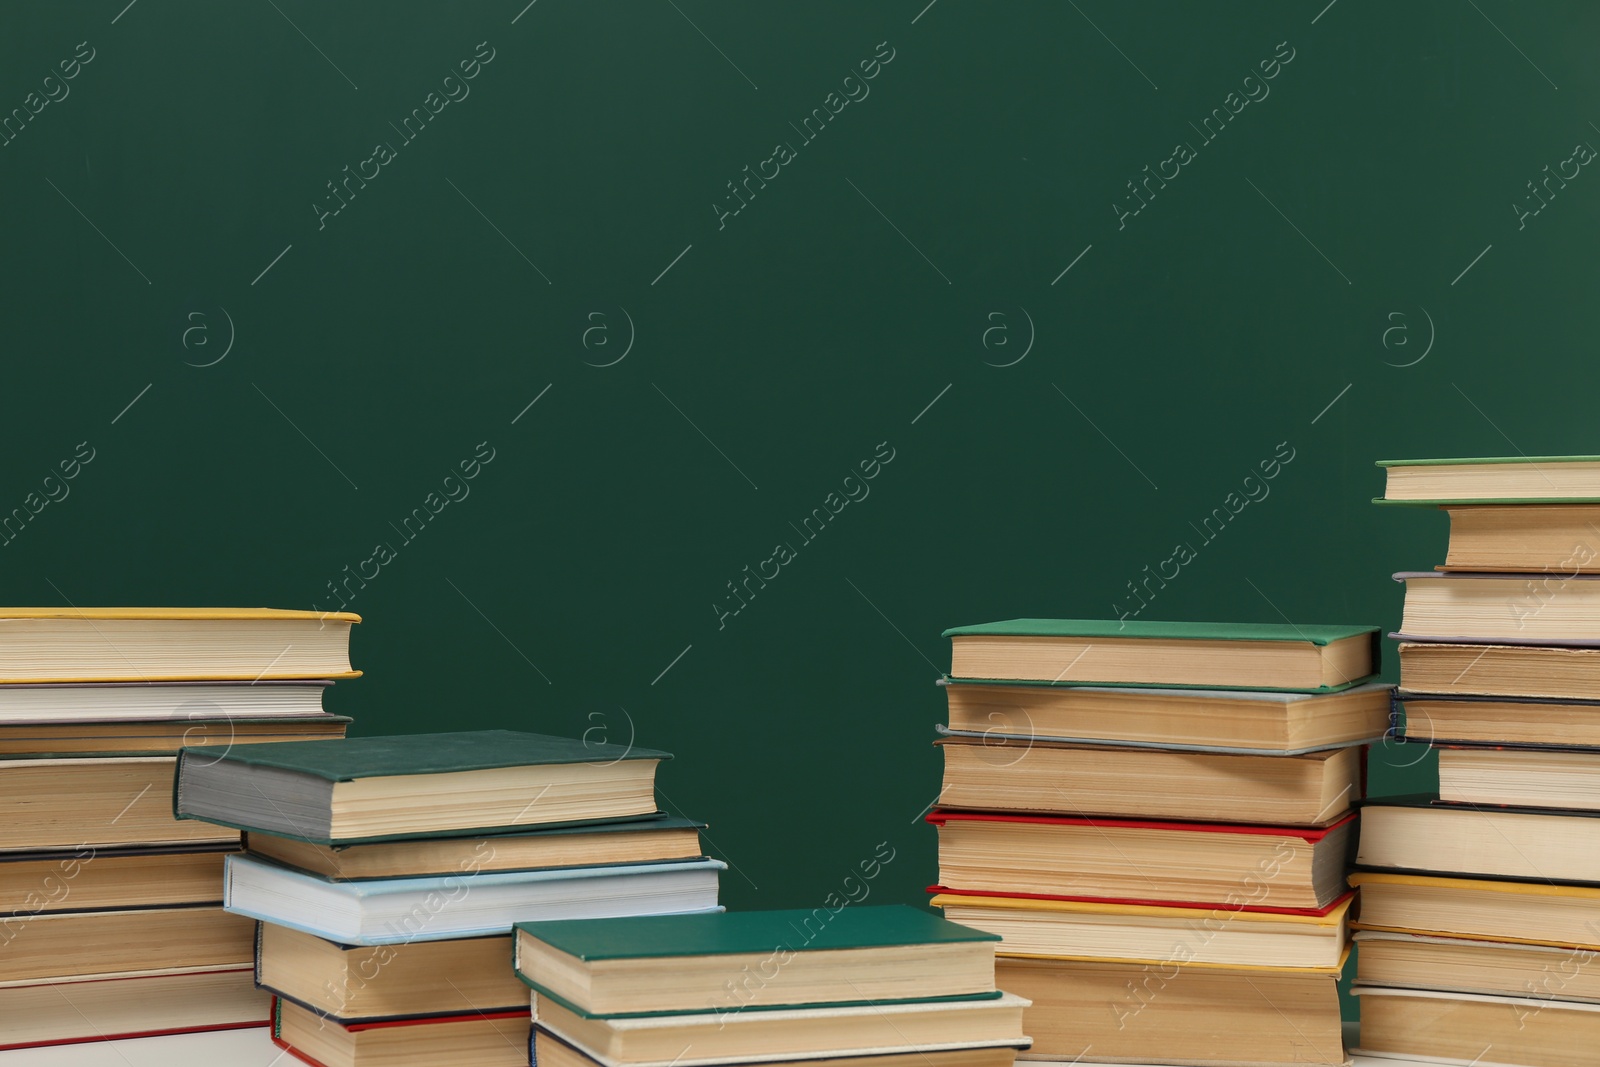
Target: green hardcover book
{"points": [[365, 789], [733, 961], [1133, 652], [1492, 480]]}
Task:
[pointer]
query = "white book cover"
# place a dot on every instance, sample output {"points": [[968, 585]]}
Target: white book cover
{"points": [[390, 911]]}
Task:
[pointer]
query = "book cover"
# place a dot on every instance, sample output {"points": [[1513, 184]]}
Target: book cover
{"points": [[1486, 461], [1432, 802], [276, 1021], [753, 1009], [1403, 695], [1523, 583], [348, 759], [123, 1006], [1044, 683], [743, 932], [991, 736], [177, 614], [386, 911], [1185, 965], [661, 820], [1136, 628], [1508, 746], [1197, 905], [14, 735], [939, 817], [1330, 915], [1464, 461], [1535, 889], [316, 767], [933, 1055], [356, 1023]]}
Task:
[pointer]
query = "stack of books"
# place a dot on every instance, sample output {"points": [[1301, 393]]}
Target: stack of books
{"points": [[111, 919], [387, 873], [1480, 920], [1157, 819], [855, 986]]}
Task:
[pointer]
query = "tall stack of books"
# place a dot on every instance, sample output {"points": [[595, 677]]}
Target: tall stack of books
{"points": [[111, 919], [1480, 923], [1156, 818], [854, 986], [387, 873]]}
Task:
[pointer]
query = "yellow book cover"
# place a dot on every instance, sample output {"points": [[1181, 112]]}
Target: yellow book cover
{"points": [[176, 614], [74, 645]]}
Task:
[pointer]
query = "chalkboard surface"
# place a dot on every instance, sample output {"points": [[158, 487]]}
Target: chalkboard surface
{"points": [[678, 370]]}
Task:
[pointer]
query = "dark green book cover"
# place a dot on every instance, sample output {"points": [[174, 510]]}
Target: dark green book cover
{"points": [[1462, 461], [349, 758], [1209, 687], [292, 783], [1101, 629], [747, 932]]}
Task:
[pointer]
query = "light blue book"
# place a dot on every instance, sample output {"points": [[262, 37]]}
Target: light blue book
{"points": [[391, 911]]}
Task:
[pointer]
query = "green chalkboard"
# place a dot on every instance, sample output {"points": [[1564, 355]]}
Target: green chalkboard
{"points": [[924, 314]]}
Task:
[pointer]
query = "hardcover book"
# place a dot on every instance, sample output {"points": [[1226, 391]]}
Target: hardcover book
{"points": [[1462, 965], [109, 1007], [365, 789], [659, 837], [1192, 655], [96, 803], [172, 644], [361, 984], [1500, 609], [550, 1050], [1049, 778], [1530, 538], [478, 1039], [1418, 834], [681, 963], [1501, 720], [388, 911], [164, 737], [1133, 1013], [1506, 670], [1085, 930], [1519, 776], [1501, 480], [150, 702], [756, 1036], [1128, 860], [1445, 1027], [1529, 912], [1218, 720], [71, 944], [90, 879]]}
